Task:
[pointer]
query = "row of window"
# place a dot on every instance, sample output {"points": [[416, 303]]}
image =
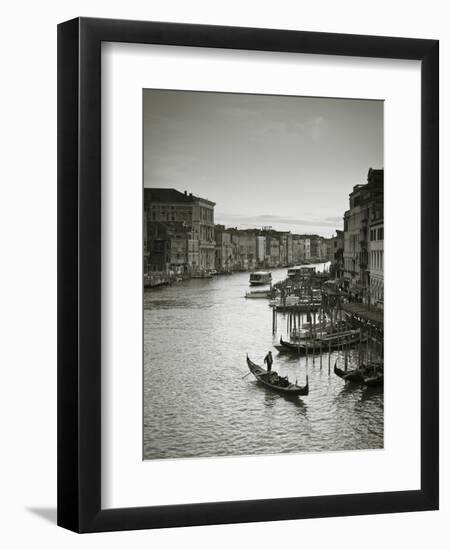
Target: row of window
{"points": [[376, 259], [377, 234], [206, 233], [376, 289], [206, 214]]}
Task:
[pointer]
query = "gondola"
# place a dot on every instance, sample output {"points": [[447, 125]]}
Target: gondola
{"points": [[370, 375], [277, 383], [289, 346], [374, 380], [311, 346], [374, 375], [354, 375]]}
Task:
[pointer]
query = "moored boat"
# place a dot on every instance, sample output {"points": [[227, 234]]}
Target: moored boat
{"points": [[374, 374], [370, 374], [325, 343], [258, 294], [260, 278], [202, 274], [374, 380], [353, 375], [275, 382]]}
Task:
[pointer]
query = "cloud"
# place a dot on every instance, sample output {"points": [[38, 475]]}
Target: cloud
{"points": [[270, 219]]}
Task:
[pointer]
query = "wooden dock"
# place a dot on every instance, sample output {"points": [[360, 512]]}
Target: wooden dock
{"points": [[363, 312]]}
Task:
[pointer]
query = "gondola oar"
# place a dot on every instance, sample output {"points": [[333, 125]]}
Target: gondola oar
{"points": [[246, 375]]}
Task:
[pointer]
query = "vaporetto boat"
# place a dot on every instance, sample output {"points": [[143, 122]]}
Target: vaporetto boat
{"points": [[260, 278]]}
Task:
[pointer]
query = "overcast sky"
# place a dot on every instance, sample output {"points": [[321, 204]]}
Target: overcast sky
{"points": [[287, 162]]}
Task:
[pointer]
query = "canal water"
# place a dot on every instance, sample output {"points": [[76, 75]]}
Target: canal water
{"points": [[198, 403]]}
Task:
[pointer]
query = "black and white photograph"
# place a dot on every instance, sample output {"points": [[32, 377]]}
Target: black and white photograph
{"points": [[263, 241]]}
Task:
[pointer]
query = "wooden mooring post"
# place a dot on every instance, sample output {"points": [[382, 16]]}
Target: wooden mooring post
{"points": [[329, 357]]}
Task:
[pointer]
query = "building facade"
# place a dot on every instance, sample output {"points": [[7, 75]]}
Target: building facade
{"points": [[194, 214], [376, 262], [301, 248], [285, 239], [261, 256], [364, 201], [225, 250], [273, 250], [337, 254]]}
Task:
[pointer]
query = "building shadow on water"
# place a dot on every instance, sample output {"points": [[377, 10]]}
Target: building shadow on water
{"points": [[359, 392], [349, 389], [372, 393]]}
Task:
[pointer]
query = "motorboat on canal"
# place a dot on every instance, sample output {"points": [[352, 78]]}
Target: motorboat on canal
{"points": [[299, 271], [202, 274], [258, 294], [260, 278], [275, 382]]}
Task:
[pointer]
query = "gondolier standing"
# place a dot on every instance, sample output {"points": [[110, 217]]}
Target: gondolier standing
{"points": [[269, 360]]}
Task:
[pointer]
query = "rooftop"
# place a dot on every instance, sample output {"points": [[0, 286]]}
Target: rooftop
{"points": [[171, 196]]}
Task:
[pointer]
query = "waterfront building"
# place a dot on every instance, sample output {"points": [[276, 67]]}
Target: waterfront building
{"points": [[224, 248], [285, 240], [261, 250], [157, 248], [273, 249], [297, 249], [244, 248], [301, 248], [337, 254], [376, 259], [364, 199], [171, 248], [316, 247], [307, 248], [325, 249], [169, 205]]}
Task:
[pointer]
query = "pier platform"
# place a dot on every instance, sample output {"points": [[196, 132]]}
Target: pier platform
{"points": [[365, 313]]}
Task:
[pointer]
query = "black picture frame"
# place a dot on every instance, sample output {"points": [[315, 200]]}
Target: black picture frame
{"points": [[79, 274]]}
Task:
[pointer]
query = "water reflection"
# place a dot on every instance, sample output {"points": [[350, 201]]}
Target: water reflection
{"points": [[197, 401]]}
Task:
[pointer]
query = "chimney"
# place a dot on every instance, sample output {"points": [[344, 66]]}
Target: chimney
{"points": [[190, 194], [185, 192]]}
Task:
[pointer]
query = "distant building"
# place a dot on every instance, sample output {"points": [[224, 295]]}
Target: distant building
{"points": [[314, 247], [248, 249], [261, 250], [364, 201], [285, 239], [301, 248], [319, 248], [273, 249], [337, 254], [297, 249], [194, 213], [307, 248], [225, 250], [325, 250], [245, 241]]}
